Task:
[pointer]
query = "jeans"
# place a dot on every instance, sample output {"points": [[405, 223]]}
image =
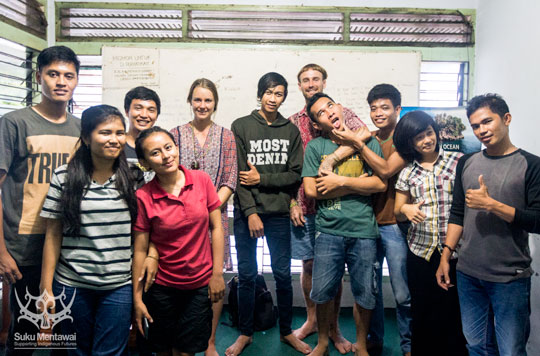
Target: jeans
{"points": [[277, 230], [303, 239], [393, 245], [332, 253], [31, 276], [101, 319], [500, 307]]}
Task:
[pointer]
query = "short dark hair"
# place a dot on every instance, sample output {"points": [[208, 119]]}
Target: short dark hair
{"points": [[410, 125], [271, 80], [494, 102], [57, 54], [312, 66], [385, 91], [141, 93], [312, 102], [144, 135]]}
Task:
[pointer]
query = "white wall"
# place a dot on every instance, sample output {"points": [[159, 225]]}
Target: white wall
{"points": [[507, 62]]}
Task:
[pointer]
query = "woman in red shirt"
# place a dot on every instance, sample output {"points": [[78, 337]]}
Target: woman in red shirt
{"points": [[175, 210]]}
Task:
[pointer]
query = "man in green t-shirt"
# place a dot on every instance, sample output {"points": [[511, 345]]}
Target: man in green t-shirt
{"points": [[346, 228]]}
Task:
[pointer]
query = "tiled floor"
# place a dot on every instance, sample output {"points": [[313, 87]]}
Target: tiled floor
{"points": [[267, 343]]}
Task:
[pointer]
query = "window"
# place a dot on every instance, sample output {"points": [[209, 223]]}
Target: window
{"points": [[263, 253], [266, 25], [123, 23], [17, 86], [25, 14], [269, 24], [444, 84], [88, 91], [412, 29]]}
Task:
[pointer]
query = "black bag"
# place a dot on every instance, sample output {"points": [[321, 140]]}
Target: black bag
{"points": [[233, 301], [264, 313]]}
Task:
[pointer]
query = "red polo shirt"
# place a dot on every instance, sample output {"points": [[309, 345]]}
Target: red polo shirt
{"points": [[178, 226]]}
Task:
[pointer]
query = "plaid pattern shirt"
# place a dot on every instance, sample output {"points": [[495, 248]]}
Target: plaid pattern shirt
{"points": [[435, 188], [308, 133]]}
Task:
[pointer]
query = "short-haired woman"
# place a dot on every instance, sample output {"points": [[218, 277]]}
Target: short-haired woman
{"points": [[424, 196]]}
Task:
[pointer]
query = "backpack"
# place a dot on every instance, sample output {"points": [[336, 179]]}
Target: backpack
{"points": [[264, 313]]}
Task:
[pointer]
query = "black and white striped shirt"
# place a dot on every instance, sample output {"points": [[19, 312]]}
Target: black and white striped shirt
{"points": [[100, 257]]}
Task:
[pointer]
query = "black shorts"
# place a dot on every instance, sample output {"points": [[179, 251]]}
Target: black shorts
{"points": [[182, 318]]}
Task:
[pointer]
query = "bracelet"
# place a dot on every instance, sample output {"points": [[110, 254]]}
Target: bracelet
{"points": [[153, 257], [448, 247], [293, 203]]}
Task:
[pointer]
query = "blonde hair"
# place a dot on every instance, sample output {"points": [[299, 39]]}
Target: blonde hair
{"points": [[206, 84], [312, 66]]}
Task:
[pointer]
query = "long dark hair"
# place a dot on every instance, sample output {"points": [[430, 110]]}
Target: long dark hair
{"points": [[410, 125], [80, 169]]}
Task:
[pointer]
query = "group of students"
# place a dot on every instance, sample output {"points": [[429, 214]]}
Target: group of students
{"points": [[131, 220]]}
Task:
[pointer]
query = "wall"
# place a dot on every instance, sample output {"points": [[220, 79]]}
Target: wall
{"points": [[507, 58], [237, 71]]}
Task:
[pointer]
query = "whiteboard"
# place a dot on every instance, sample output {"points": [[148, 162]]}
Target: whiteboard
{"points": [[170, 72]]}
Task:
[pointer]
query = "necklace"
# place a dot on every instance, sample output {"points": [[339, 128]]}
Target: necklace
{"points": [[196, 163]]}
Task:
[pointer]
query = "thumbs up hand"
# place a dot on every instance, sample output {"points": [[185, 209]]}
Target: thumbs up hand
{"points": [[478, 198], [414, 212]]}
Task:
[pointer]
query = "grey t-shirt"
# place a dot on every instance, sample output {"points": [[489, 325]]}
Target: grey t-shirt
{"points": [[31, 148], [492, 249]]}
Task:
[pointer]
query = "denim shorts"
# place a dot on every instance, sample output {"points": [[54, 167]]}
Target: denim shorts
{"points": [[331, 254], [303, 239]]}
